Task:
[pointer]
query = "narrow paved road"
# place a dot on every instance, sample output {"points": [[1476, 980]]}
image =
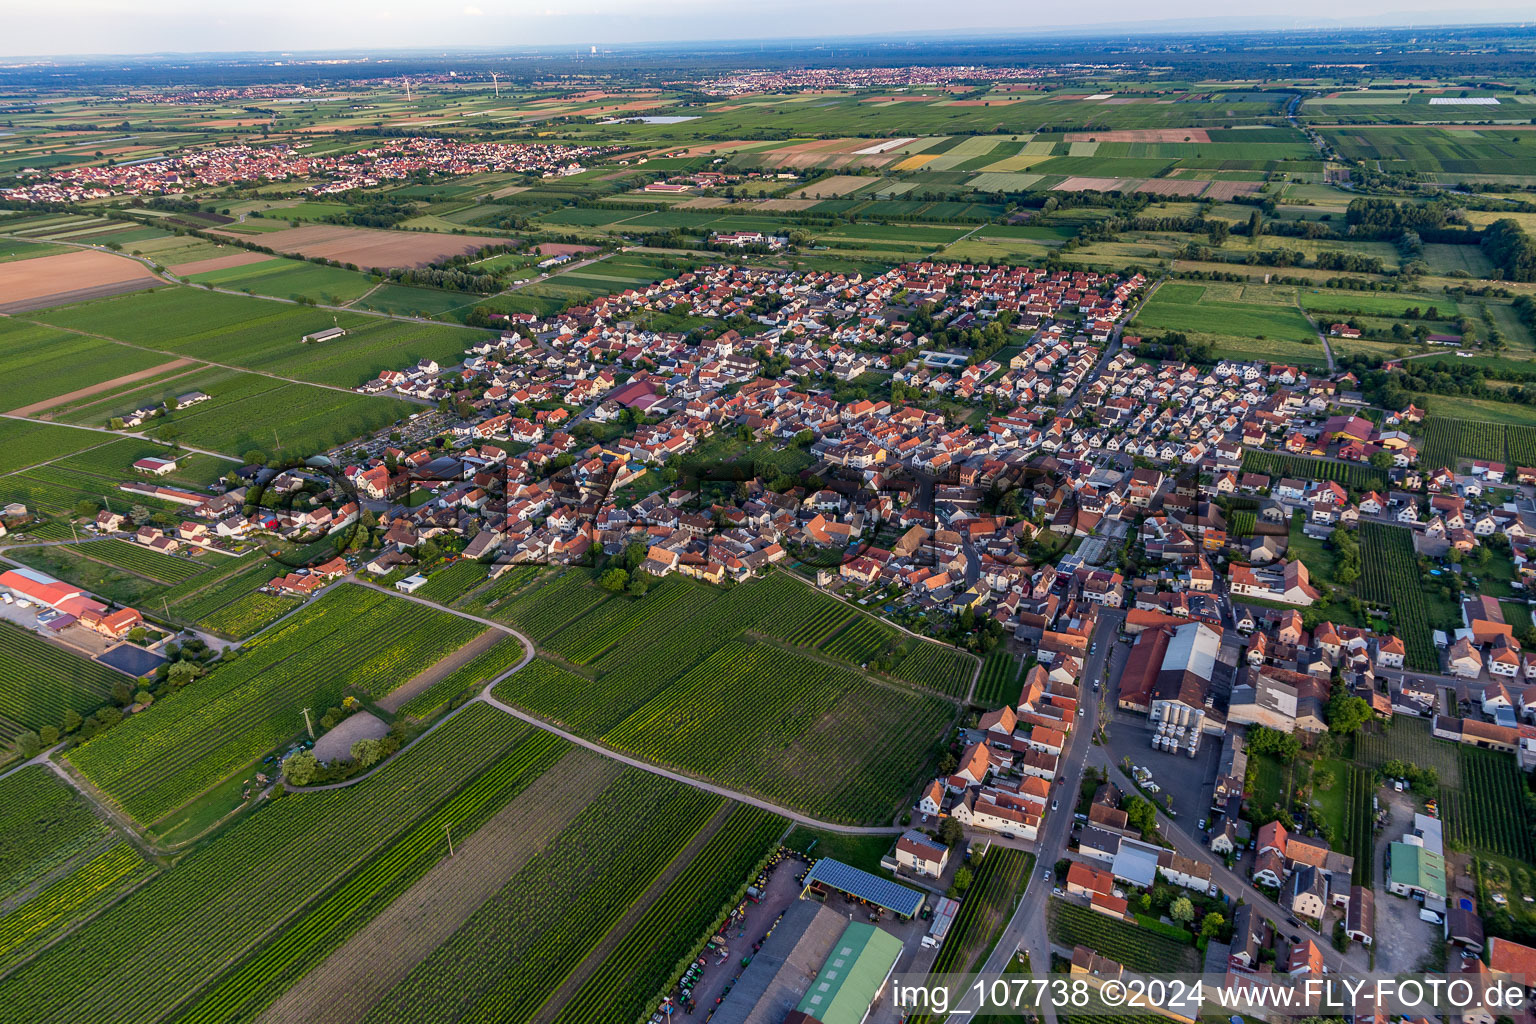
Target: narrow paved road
{"points": [[1026, 930], [486, 696], [121, 433]]}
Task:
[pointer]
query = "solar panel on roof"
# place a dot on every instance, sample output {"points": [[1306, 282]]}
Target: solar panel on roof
{"points": [[882, 892]]}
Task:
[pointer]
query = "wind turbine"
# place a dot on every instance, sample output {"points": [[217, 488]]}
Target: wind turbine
{"points": [[407, 82], [497, 84]]}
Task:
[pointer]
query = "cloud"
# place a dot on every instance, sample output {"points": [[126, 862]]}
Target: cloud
{"points": [[472, 12]]}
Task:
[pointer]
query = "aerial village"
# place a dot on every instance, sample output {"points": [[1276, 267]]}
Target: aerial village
{"points": [[390, 160], [1093, 512]]}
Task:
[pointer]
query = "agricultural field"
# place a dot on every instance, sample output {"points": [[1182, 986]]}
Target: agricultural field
{"points": [[674, 923], [24, 444], [1491, 809], [467, 678], [262, 335], [1139, 949], [1409, 739], [350, 639], [227, 600], [83, 892], [46, 825], [513, 952], [1356, 476], [143, 561], [664, 694], [1242, 330], [226, 900], [452, 582], [1390, 578], [997, 886], [1002, 678], [40, 682]]}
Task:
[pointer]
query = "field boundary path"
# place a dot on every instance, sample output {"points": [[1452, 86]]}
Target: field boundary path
{"points": [[115, 433]]}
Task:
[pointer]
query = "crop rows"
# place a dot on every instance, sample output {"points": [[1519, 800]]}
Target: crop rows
{"points": [[996, 888], [506, 584], [225, 898], [1442, 443], [541, 612], [452, 582], [1391, 578], [471, 675], [1356, 476], [137, 558], [1480, 440], [44, 823], [1360, 835], [1491, 808], [305, 942], [81, 893], [40, 681], [506, 960], [632, 976], [788, 728], [861, 642], [1075, 925], [1520, 445], [247, 615], [936, 667], [154, 762], [586, 638], [817, 621], [197, 599], [1001, 678]]}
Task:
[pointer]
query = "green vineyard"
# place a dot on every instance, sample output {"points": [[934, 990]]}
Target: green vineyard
{"points": [[1390, 578], [349, 638], [40, 681]]}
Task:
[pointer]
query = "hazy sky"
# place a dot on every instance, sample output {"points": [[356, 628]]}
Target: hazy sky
{"points": [[155, 26]]}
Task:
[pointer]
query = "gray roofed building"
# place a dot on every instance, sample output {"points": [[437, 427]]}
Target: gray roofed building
{"points": [[782, 971]]}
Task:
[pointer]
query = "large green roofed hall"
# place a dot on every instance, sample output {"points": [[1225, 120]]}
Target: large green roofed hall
{"points": [[852, 976]]}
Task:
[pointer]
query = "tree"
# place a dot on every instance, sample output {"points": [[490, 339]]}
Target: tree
{"points": [[1182, 910], [86, 508], [1323, 779], [367, 752], [256, 457], [48, 735], [139, 515], [962, 880], [300, 768], [121, 691], [1140, 814], [951, 832], [1211, 925], [72, 720], [613, 580], [1347, 713], [29, 744], [634, 556]]}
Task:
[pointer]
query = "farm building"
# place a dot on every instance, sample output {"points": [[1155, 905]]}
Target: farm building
{"points": [[329, 334], [827, 876], [853, 976], [781, 973], [155, 466]]}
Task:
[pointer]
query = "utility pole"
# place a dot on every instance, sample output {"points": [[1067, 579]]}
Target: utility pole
{"points": [[310, 728], [448, 832]]}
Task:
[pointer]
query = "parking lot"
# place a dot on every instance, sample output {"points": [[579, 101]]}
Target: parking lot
{"points": [[1188, 781]]}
